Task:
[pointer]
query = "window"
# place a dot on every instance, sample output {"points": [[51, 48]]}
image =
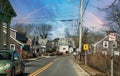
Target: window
{"points": [[64, 48], [16, 56], [12, 46]]}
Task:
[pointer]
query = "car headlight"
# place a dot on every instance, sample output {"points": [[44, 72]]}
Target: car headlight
{"points": [[7, 65]]}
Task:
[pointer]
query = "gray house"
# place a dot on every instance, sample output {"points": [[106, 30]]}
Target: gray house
{"points": [[14, 43]]}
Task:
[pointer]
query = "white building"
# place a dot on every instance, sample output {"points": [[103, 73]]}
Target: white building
{"points": [[65, 44]]}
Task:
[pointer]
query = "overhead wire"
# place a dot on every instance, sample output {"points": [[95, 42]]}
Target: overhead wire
{"points": [[35, 19]]}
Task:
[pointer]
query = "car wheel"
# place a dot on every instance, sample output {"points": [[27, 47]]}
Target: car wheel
{"points": [[13, 72]]}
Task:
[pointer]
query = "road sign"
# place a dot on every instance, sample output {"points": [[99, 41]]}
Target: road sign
{"points": [[112, 36], [85, 47], [105, 44]]}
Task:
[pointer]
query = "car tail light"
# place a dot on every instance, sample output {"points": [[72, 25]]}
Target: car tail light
{"points": [[7, 70]]}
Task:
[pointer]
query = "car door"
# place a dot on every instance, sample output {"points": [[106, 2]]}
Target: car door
{"points": [[17, 62]]}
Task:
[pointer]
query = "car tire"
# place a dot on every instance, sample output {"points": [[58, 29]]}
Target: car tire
{"points": [[13, 72]]}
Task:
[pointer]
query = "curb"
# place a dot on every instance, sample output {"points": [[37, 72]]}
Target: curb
{"points": [[89, 70]]}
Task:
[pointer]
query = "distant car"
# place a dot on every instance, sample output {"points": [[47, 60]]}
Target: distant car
{"points": [[11, 63]]}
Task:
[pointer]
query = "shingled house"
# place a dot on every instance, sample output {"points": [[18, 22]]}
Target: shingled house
{"points": [[14, 43], [6, 14]]}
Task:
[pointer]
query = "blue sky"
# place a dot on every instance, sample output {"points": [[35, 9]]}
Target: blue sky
{"points": [[52, 11]]}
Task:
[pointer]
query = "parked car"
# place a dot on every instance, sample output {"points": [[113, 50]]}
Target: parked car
{"points": [[11, 63], [74, 53]]}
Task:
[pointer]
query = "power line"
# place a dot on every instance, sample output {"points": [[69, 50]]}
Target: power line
{"points": [[45, 20], [85, 7]]}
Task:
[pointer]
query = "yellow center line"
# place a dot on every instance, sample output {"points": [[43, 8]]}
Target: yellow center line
{"points": [[42, 69]]}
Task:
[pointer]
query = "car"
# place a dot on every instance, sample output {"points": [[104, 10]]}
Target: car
{"points": [[75, 53], [11, 63]]}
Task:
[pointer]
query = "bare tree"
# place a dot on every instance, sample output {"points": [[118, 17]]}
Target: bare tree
{"points": [[19, 27], [113, 15], [67, 33], [73, 32], [27, 28], [43, 30]]}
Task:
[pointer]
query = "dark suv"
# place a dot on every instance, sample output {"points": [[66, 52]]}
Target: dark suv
{"points": [[11, 63]]}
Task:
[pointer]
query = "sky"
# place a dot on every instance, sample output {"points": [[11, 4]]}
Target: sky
{"points": [[53, 11]]}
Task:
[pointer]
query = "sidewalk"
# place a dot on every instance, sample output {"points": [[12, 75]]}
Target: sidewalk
{"points": [[89, 70], [80, 71]]}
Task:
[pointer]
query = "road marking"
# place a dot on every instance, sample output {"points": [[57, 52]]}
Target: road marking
{"points": [[42, 69]]}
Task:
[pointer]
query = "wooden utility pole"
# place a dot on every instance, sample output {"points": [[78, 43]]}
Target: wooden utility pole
{"points": [[80, 27]]}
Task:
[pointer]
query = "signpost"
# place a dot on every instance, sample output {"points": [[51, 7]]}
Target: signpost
{"points": [[112, 39], [85, 47]]}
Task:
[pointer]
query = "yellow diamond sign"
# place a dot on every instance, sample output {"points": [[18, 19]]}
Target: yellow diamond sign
{"points": [[85, 47]]}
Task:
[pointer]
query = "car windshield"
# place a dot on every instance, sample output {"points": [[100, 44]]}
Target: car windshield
{"points": [[5, 56]]}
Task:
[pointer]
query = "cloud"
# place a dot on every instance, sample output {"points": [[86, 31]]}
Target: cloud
{"points": [[58, 32]]}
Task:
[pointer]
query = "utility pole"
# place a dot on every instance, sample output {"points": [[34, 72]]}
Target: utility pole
{"points": [[80, 27]]}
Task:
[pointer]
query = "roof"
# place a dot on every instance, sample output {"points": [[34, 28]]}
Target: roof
{"points": [[100, 41], [15, 39], [20, 36], [10, 29], [10, 11]]}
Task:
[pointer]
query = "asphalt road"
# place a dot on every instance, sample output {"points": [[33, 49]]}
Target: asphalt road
{"points": [[54, 66]]}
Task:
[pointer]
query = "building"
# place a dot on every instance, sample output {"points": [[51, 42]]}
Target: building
{"points": [[6, 14], [65, 44], [104, 45], [43, 43], [14, 43], [52, 45]]}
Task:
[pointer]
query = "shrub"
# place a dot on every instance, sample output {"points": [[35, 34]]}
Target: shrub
{"points": [[102, 63]]}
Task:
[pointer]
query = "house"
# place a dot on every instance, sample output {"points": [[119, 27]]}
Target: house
{"points": [[104, 45], [35, 46], [14, 43], [65, 44], [22, 37], [19, 42], [6, 14], [42, 43], [52, 45]]}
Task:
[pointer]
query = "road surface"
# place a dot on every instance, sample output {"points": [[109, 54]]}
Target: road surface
{"points": [[54, 66]]}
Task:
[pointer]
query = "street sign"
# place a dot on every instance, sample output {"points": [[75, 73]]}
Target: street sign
{"points": [[105, 44], [85, 47], [112, 36]]}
